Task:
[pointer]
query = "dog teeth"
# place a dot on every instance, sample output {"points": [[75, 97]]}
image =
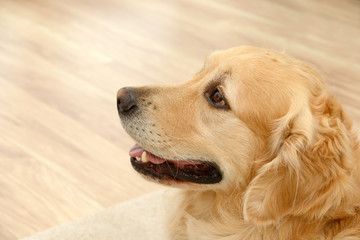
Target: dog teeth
{"points": [[144, 158], [138, 159]]}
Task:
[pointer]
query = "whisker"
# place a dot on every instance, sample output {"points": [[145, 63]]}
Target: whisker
{"points": [[170, 169]]}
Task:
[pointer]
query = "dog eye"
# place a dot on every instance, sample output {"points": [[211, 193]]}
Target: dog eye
{"points": [[216, 98]]}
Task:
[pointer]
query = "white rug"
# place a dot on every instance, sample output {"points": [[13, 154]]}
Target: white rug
{"points": [[141, 218]]}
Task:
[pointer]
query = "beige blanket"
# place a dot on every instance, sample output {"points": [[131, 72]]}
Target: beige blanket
{"points": [[141, 218]]}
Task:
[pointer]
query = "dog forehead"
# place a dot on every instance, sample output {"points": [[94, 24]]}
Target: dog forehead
{"points": [[249, 63], [242, 61]]}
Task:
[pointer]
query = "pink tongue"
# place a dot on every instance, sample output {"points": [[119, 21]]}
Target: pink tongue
{"points": [[136, 151], [154, 159]]}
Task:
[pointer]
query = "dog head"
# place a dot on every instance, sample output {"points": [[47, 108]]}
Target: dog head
{"points": [[251, 119]]}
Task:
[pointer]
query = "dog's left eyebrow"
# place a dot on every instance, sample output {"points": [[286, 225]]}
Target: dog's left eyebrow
{"points": [[218, 79]]}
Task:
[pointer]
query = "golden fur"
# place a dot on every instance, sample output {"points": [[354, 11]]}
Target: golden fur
{"points": [[289, 158]]}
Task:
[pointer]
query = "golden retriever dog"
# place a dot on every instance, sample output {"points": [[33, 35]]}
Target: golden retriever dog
{"points": [[257, 146]]}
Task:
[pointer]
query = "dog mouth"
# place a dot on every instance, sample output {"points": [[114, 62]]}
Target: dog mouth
{"points": [[194, 171]]}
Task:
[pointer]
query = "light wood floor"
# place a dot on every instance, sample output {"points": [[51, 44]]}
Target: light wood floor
{"points": [[63, 153]]}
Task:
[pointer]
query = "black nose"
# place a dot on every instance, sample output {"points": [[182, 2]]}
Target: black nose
{"points": [[126, 100]]}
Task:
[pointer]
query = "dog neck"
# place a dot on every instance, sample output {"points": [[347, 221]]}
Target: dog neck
{"points": [[217, 215]]}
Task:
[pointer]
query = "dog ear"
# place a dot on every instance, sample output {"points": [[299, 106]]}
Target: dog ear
{"points": [[311, 171], [272, 192]]}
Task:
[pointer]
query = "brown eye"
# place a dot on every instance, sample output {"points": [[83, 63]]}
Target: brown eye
{"points": [[216, 98]]}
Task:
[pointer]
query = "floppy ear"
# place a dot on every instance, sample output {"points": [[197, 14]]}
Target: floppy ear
{"points": [[272, 193], [311, 173]]}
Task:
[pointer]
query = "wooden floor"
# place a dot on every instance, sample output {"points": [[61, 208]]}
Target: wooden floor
{"points": [[63, 153]]}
